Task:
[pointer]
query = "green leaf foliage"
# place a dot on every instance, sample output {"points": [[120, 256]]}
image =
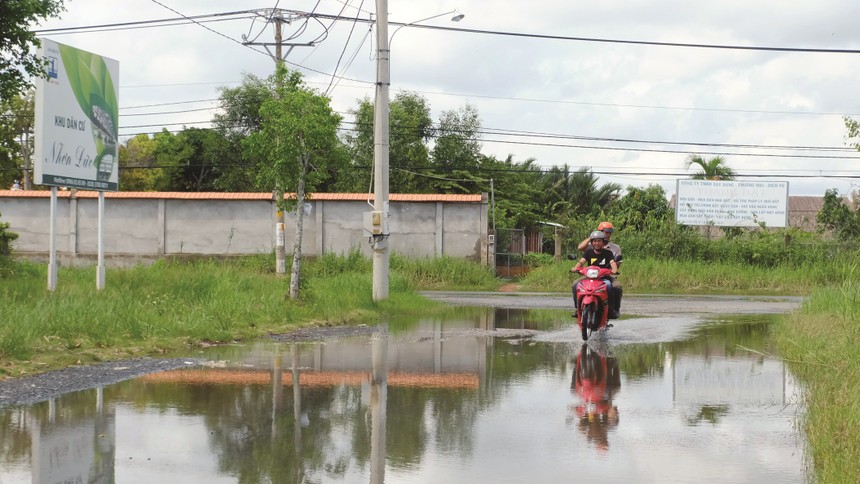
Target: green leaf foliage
{"points": [[18, 60], [16, 139], [837, 217], [641, 208], [298, 132], [6, 238], [715, 168]]}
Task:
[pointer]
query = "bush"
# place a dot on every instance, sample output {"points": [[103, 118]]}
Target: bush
{"points": [[535, 259], [6, 238]]}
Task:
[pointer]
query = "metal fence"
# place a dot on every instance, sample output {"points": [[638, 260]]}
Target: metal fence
{"points": [[510, 253]]}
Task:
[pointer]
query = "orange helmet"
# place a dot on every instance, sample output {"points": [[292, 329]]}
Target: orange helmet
{"points": [[606, 227]]}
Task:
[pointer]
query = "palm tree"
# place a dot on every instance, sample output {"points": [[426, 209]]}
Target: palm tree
{"points": [[713, 169], [577, 192]]}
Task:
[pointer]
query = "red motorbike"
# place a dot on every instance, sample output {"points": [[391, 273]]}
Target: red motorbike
{"points": [[592, 293]]}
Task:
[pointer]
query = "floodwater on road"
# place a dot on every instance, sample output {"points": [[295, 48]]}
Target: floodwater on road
{"points": [[482, 395]]}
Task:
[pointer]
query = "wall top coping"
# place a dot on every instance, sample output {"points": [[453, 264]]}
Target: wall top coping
{"points": [[394, 197]]}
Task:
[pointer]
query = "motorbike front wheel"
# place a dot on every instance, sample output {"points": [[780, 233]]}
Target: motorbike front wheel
{"points": [[585, 321]]}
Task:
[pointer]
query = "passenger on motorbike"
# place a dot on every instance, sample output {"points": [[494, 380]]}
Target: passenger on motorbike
{"points": [[608, 229], [597, 255]]}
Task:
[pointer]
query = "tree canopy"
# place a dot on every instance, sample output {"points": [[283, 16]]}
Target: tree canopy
{"points": [[16, 139], [18, 43], [296, 142]]}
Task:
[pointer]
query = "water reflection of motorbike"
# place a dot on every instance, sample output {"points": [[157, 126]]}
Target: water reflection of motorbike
{"points": [[596, 380]]}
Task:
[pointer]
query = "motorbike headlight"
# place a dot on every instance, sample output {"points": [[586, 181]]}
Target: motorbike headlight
{"points": [[592, 273]]}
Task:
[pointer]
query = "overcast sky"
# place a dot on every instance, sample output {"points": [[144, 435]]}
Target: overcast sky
{"points": [[607, 93]]}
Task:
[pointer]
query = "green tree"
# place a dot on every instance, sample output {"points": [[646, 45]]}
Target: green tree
{"points": [[138, 169], [240, 116], [642, 208], [457, 152], [297, 138], [411, 128], [714, 169], [6, 238], [18, 60], [200, 155], [835, 215], [853, 127], [516, 191], [569, 194], [16, 139], [585, 196]]}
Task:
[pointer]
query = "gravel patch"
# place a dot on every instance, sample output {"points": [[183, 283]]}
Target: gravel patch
{"points": [[322, 333], [37, 388]]}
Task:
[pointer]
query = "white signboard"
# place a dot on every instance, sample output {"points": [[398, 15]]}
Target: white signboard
{"points": [[731, 203], [77, 120]]}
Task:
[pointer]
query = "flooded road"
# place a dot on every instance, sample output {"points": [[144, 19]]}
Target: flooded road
{"points": [[480, 395]]}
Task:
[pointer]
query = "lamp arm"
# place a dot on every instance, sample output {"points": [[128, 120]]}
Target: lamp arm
{"points": [[417, 21]]}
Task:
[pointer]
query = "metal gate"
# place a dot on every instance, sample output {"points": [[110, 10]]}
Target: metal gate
{"points": [[510, 253]]}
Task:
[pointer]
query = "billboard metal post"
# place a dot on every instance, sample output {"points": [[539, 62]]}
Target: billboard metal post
{"points": [[76, 131]]}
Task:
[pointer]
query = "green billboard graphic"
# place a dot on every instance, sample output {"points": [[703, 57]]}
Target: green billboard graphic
{"points": [[77, 120]]}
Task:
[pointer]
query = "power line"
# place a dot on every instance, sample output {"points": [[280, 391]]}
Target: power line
{"points": [[345, 45], [370, 19], [643, 106], [635, 42], [516, 133], [142, 23], [606, 40], [651, 150]]}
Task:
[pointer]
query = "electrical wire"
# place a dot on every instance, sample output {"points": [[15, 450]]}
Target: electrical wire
{"points": [[352, 58], [145, 23], [606, 148], [345, 45]]}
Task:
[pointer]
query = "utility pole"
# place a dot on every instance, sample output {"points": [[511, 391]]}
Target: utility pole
{"points": [[380, 154], [278, 18]]}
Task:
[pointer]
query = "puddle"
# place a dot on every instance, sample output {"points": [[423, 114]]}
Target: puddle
{"points": [[485, 395]]}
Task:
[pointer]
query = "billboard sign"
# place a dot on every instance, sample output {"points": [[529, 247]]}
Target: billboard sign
{"points": [[731, 203], [76, 124]]}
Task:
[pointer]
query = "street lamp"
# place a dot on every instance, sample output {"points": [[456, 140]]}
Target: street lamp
{"points": [[379, 216], [456, 18]]}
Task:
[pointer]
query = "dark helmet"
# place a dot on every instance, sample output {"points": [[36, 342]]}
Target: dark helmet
{"points": [[597, 235]]}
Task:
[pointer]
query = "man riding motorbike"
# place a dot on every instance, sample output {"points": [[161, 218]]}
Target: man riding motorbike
{"points": [[597, 255], [608, 229]]}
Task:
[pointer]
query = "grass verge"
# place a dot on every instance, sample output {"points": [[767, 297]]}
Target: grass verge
{"points": [[172, 305], [685, 277], [821, 344]]}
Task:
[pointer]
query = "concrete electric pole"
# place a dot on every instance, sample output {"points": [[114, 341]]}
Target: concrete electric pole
{"points": [[380, 155]]}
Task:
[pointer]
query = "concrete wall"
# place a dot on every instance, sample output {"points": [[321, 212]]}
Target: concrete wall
{"points": [[151, 225]]}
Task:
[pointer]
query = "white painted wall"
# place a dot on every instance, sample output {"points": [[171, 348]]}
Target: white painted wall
{"points": [[139, 229]]}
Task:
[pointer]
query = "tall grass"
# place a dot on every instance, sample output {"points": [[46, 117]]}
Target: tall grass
{"points": [[686, 277], [821, 344], [444, 273]]}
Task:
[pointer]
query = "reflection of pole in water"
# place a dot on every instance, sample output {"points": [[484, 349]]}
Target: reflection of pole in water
{"points": [[378, 397], [297, 413], [277, 390]]}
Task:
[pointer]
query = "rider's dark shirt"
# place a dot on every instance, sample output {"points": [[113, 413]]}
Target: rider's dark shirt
{"points": [[592, 258]]}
